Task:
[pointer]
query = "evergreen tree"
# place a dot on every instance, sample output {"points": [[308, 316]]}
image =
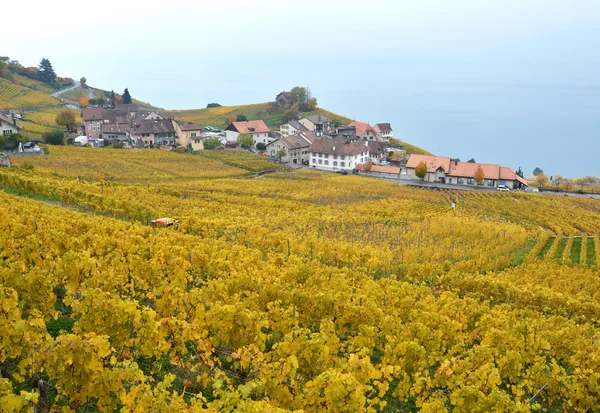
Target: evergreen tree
{"points": [[112, 99], [126, 96], [46, 73], [520, 172]]}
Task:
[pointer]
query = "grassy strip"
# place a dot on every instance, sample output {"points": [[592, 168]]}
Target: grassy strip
{"points": [[546, 247], [576, 250], [525, 251], [26, 194], [562, 244], [591, 252]]}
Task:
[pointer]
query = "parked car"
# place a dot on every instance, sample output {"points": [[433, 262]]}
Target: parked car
{"points": [[342, 172], [503, 188], [532, 189], [384, 163]]}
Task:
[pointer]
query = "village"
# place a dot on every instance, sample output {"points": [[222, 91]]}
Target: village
{"points": [[311, 141]]}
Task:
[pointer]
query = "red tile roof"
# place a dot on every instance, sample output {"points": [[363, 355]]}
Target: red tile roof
{"points": [[380, 168], [92, 114], [464, 169], [251, 126], [361, 128], [432, 162]]}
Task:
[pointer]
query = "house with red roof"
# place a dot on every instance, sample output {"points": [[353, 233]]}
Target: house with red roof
{"points": [[258, 129], [442, 169], [364, 131]]}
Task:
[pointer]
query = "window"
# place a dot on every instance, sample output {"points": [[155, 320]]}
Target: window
{"points": [[342, 164], [461, 180], [470, 181], [313, 160], [320, 161], [326, 162], [490, 182], [449, 180], [334, 163]]}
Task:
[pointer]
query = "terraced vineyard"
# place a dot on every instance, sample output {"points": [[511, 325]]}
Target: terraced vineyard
{"points": [[293, 291], [14, 96]]}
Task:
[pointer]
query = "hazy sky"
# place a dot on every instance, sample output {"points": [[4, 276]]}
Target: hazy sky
{"points": [[508, 81]]}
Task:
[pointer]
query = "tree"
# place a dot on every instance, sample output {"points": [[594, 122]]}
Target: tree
{"points": [[298, 96], [368, 167], [232, 118], [541, 179], [83, 81], [92, 102], [479, 175], [421, 170], [261, 146], [455, 159], [472, 160], [538, 171], [241, 118], [84, 101], [281, 153], [311, 104], [112, 99], [100, 102], [46, 73], [66, 118], [213, 105], [126, 97], [245, 140], [11, 141], [290, 114], [211, 143], [520, 172], [54, 137]]}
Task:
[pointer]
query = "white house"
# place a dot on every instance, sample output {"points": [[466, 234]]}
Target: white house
{"points": [[337, 153], [383, 131], [9, 125], [255, 128]]}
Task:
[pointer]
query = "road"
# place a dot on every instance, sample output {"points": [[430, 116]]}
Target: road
{"points": [[65, 90]]}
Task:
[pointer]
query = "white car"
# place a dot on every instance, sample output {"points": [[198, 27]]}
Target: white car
{"points": [[502, 188]]}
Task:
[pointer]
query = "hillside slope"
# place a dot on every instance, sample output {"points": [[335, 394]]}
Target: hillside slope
{"points": [[220, 116], [14, 96]]}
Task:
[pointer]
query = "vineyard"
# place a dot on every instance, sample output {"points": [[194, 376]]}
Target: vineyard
{"points": [[13, 96], [298, 291]]}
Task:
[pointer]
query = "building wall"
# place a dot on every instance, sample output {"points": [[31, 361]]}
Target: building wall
{"points": [[328, 162], [93, 129], [287, 130], [231, 136], [261, 137], [8, 128], [186, 138], [370, 136], [311, 126]]}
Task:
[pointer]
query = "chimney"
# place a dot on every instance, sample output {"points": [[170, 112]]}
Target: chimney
{"points": [[366, 143], [13, 118], [334, 148]]}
